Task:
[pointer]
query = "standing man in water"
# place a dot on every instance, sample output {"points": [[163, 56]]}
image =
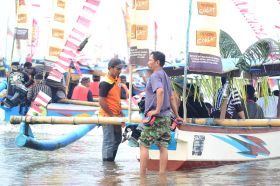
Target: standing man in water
{"points": [[110, 106], [158, 102]]}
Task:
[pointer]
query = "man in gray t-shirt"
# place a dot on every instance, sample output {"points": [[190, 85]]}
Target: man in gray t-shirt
{"points": [[159, 99], [158, 79]]}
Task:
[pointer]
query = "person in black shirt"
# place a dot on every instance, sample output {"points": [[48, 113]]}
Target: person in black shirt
{"points": [[195, 108]]}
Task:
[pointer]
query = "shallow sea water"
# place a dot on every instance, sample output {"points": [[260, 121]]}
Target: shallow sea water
{"points": [[80, 164]]}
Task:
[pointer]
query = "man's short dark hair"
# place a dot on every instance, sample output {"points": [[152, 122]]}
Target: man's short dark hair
{"points": [[15, 63], [27, 65], [276, 92], [38, 76], [85, 79], [159, 56], [223, 80], [122, 77], [95, 78], [115, 63], [250, 91]]}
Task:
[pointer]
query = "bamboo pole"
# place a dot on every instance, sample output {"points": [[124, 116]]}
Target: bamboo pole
{"points": [[187, 62], [278, 104], [68, 80], [72, 120], [119, 120], [95, 104], [130, 109], [235, 122]]}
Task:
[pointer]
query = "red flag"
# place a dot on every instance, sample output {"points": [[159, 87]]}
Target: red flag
{"points": [[55, 75], [156, 34], [35, 37], [75, 38], [64, 59], [42, 98], [71, 45], [78, 32], [93, 2], [77, 67], [21, 2], [69, 52], [88, 9], [83, 21]]}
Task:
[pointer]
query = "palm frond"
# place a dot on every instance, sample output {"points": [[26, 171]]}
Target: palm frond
{"points": [[258, 53], [228, 47]]}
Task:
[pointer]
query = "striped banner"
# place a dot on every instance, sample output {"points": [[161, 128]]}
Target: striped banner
{"points": [[141, 32], [204, 50], [68, 52], [57, 30], [23, 23]]}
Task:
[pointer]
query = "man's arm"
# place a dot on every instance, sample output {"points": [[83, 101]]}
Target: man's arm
{"points": [[104, 106], [241, 114], [278, 107], [90, 96], [174, 105], [29, 94]]}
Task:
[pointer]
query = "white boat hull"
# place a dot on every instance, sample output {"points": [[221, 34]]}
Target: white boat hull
{"points": [[204, 146]]}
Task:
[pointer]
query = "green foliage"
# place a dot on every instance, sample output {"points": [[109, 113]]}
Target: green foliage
{"points": [[258, 53], [228, 47]]}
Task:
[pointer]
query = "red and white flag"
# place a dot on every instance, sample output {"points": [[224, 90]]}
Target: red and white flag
{"points": [[76, 36], [55, 75], [39, 104]]}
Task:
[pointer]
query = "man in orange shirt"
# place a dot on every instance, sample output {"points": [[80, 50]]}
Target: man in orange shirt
{"points": [[110, 106]]}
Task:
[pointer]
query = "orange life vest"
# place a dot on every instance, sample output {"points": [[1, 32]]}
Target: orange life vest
{"points": [[80, 93], [113, 98], [94, 87]]}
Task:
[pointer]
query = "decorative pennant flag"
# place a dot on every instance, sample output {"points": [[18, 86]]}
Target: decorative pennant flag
{"points": [[34, 38], [254, 23], [127, 24], [156, 34], [55, 75], [204, 50], [71, 47], [38, 106], [93, 2], [83, 21]]}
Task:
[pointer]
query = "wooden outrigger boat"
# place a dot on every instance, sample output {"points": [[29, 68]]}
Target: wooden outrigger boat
{"points": [[197, 144], [70, 108]]}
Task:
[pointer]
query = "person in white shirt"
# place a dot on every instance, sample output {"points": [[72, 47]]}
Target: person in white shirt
{"points": [[269, 108]]}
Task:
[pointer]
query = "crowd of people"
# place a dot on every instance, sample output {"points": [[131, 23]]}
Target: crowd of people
{"points": [[25, 82]]}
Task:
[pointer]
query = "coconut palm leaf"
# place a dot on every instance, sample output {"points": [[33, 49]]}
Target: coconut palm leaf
{"points": [[228, 47], [258, 53]]}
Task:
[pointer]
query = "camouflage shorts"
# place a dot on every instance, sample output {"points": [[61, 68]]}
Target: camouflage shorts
{"points": [[158, 133]]}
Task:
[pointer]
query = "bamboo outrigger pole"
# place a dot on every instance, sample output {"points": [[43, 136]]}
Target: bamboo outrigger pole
{"points": [[71, 120], [95, 104], [235, 122], [120, 120]]}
